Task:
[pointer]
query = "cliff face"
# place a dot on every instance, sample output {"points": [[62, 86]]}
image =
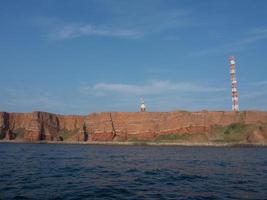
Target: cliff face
{"points": [[246, 127], [29, 126]]}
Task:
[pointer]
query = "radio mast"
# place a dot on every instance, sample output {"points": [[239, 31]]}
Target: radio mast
{"points": [[235, 106]]}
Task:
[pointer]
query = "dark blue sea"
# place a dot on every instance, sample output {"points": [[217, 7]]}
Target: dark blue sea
{"points": [[55, 171]]}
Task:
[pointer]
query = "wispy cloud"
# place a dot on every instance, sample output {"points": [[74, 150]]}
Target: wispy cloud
{"points": [[252, 95], [259, 83], [29, 97], [125, 22], [250, 37], [79, 30], [152, 88], [160, 95]]}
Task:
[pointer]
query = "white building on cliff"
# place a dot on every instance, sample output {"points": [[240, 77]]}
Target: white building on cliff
{"points": [[142, 105]]}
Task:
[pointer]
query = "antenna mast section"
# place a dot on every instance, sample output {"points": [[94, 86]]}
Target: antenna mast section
{"points": [[235, 106]]}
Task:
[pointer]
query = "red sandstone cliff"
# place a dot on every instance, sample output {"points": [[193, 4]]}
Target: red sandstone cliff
{"points": [[146, 126]]}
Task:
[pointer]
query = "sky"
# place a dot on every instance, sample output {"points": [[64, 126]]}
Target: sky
{"points": [[84, 56]]}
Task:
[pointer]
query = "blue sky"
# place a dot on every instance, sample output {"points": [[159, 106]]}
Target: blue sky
{"points": [[78, 57]]}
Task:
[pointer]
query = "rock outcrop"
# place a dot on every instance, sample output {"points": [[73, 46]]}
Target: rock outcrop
{"points": [[244, 127]]}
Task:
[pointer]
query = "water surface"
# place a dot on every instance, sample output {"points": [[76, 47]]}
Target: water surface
{"points": [[55, 171]]}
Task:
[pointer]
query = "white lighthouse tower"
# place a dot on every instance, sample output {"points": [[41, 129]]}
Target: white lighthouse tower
{"points": [[142, 106]]}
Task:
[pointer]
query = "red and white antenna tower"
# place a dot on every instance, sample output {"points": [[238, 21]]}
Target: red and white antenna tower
{"points": [[235, 106]]}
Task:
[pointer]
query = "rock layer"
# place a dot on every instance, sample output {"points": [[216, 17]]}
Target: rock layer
{"points": [[139, 126]]}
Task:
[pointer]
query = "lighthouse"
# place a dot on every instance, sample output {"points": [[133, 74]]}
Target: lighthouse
{"points": [[142, 105]]}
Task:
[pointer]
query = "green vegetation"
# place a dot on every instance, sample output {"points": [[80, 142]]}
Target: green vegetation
{"points": [[18, 133], [173, 137], [182, 137], [64, 134], [236, 132], [231, 133], [235, 128], [179, 137], [2, 135], [141, 143], [135, 139]]}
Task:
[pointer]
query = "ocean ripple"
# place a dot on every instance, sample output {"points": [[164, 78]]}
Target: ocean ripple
{"points": [[34, 171]]}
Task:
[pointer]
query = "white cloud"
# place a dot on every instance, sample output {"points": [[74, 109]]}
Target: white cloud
{"points": [[152, 88], [78, 30]]}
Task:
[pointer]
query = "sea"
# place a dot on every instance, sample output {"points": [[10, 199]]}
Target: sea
{"points": [[76, 171]]}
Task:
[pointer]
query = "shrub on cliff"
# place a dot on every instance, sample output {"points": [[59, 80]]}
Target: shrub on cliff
{"points": [[18, 133], [232, 133], [65, 134], [235, 128], [2, 134]]}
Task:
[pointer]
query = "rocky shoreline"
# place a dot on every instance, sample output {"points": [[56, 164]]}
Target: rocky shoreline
{"points": [[139, 143]]}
